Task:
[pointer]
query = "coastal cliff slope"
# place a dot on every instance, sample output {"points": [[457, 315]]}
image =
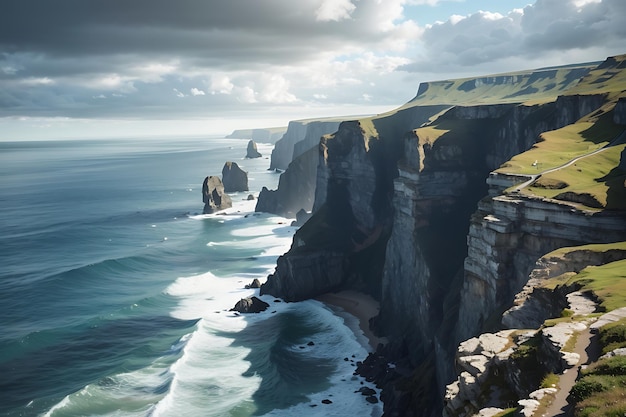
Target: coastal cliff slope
{"points": [[294, 153], [441, 208]]}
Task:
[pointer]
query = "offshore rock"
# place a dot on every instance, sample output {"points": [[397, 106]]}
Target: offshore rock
{"points": [[252, 151], [250, 305], [234, 178], [213, 195], [254, 284]]}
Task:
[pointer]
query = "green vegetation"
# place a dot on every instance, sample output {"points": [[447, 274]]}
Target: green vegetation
{"points": [[509, 412], [538, 86], [607, 282], [594, 181], [613, 336], [558, 147], [561, 253], [601, 391], [606, 78], [526, 357], [550, 380]]}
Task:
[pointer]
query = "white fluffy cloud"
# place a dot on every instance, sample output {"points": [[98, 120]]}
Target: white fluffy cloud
{"points": [[558, 31], [335, 10]]}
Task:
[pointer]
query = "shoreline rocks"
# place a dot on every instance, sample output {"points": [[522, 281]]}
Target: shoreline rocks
{"points": [[250, 305]]}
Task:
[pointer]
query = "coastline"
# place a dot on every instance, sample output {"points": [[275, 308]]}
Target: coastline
{"points": [[359, 305]]}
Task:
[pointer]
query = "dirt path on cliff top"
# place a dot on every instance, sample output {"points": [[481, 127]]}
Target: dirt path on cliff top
{"points": [[588, 349], [533, 177]]}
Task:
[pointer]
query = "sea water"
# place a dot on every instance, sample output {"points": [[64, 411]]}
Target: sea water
{"points": [[115, 291]]}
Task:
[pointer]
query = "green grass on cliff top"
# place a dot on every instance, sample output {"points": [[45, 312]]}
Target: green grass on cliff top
{"points": [[540, 85], [558, 147], [607, 282], [596, 179], [609, 77], [596, 247]]}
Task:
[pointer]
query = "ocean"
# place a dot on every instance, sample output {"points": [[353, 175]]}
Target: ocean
{"points": [[115, 290]]}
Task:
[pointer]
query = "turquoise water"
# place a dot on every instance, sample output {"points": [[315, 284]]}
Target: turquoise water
{"points": [[115, 291]]}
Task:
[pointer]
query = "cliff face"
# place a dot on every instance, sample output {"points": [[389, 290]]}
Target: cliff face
{"points": [[396, 216], [308, 132], [296, 153], [296, 188], [507, 235], [263, 135]]}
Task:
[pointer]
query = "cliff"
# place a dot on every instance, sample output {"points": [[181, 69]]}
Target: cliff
{"points": [[307, 131], [262, 135], [296, 153], [403, 211]]}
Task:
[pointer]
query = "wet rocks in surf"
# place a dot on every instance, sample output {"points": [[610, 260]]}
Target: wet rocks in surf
{"points": [[250, 305], [254, 284], [213, 195]]}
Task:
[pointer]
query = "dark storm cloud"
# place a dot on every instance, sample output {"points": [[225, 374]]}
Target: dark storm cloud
{"points": [[245, 30]]}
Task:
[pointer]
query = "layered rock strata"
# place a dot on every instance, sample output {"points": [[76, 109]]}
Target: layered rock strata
{"points": [[306, 131]]}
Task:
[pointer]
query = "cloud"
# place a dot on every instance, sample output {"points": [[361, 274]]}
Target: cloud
{"points": [[334, 10], [557, 30], [197, 92], [243, 57], [221, 84]]}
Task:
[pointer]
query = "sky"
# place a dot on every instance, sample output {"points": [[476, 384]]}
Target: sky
{"points": [[106, 68]]}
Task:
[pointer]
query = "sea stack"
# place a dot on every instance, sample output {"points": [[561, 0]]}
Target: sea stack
{"points": [[213, 195], [234, 178], [252, 151]]}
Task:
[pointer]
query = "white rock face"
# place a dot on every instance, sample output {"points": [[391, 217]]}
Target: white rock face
{"points": [[529, 407], [609, 317], [475, 357]]}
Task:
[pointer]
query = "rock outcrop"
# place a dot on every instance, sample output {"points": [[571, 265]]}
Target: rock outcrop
{"points": [[213, 195], [234, 178], [534, 304], [252, 151], [507, 235], [250, 305]]}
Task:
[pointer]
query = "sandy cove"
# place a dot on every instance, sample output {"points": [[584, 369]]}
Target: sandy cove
{"points": [[359, 305]]}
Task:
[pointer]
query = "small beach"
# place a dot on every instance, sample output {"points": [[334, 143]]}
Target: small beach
{"points": [[362, 306]]}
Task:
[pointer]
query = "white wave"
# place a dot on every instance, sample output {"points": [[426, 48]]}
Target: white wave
{"points": [[208, 378], [127, 394]]}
